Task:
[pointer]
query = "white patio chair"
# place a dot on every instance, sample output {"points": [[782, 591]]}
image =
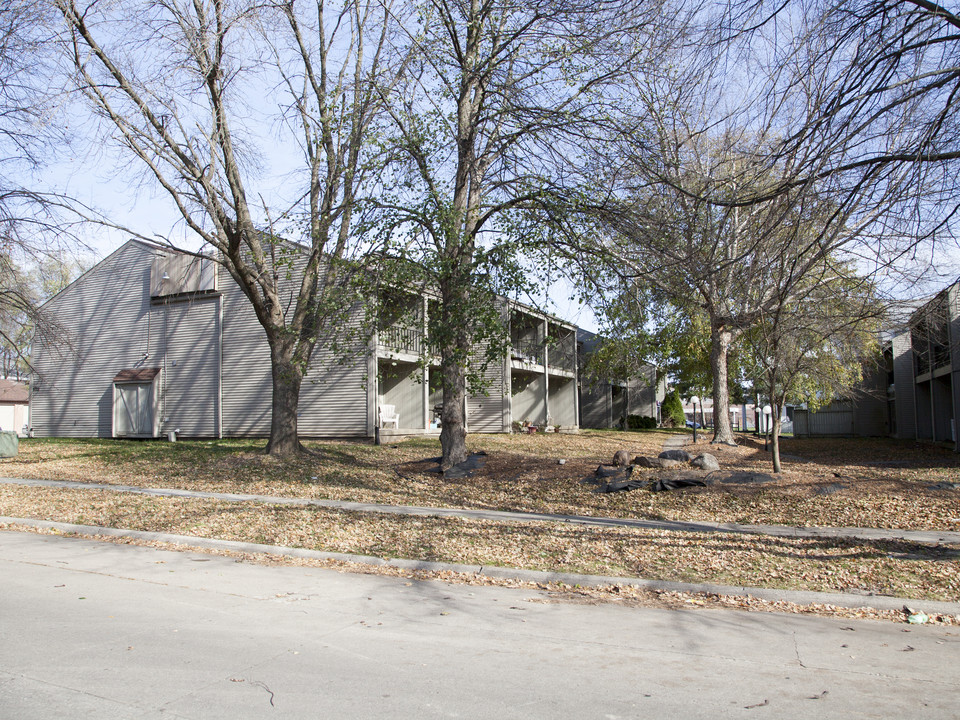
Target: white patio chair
{"points": [[388, 414]]}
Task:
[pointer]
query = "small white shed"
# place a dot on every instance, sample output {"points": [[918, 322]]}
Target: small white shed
{"points": [[14, 406]]}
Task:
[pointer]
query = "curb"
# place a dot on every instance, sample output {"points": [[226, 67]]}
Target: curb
{"points": [[799, 597]]}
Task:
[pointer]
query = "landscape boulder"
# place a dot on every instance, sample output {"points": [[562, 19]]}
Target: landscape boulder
{"points": [[614, 479], [706, 461], [621, 458], [681, 455]]}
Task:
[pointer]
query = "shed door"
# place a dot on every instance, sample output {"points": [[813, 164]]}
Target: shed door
{"points": [[8, 418], [133, 409]]}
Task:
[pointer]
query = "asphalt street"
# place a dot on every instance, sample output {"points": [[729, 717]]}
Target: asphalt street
{"points": [[92, 629]]}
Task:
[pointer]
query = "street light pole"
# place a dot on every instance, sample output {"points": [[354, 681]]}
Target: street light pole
{"points": [[693, 401]]}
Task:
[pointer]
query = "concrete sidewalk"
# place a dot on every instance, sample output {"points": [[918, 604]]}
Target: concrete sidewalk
{"points": [[111, 632], [920, 537]]}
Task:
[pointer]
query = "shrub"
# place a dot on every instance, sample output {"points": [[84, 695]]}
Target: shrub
{"points": [[641, 422], [672, 410]]}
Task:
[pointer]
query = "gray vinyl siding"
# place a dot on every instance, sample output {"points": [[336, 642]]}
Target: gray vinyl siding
{"points": [[596, 405], [247, 380], [114, 326], [562, 402], [870, 404], [106, 315], [333, 396], [190, 361], [489, 412], [836, 418], [529, 391], [904, 400], [953, 295], [642, 393], [863, 416]]}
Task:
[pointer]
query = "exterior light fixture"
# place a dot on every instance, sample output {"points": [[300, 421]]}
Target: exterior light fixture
{"points": [[767, 412]]}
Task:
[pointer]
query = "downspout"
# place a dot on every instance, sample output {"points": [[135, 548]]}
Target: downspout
{"points": [[546, 375], [507, 388], [424, 357], [163, 381], [916, 393], [951, 344], [30, 385], [373, 385], [219, 365], [933, 399], [576, 383]]}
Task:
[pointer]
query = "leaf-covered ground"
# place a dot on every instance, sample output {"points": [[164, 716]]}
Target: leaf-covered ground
{"points": [[868, 483]]}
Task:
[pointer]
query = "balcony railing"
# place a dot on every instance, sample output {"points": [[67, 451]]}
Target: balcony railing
{"points": [[402, 339], [562, 358], [528, 350]]}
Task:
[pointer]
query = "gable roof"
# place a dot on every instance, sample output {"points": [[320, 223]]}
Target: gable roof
{"points": [[12, 391], [137, 375]]}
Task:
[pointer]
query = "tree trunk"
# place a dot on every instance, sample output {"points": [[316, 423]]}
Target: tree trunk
{"points": [[776, 440], [287, 378], [454, 357], [720, 338], [453, 434]]}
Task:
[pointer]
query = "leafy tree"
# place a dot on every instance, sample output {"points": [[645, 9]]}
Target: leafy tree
{"points": [[673, 224], [813, 349], [497, 96]]}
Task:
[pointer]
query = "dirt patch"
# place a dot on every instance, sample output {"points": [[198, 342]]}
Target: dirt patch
{"points": [[879, 483], [505, 468]]}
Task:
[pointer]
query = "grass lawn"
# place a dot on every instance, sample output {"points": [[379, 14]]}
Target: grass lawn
{"points": [[837, 482]]}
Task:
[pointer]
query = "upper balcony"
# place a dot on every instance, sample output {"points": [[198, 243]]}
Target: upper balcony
{"points": [[526, 341], [562, 349], [527, 350], [541, 345], [401, 329], [399, 339]]}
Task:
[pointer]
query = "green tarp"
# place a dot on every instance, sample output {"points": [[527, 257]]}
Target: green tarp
{"points": [[9, 444]]}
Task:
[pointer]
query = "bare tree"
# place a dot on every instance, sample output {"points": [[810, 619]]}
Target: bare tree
{"points": [[864, 93], [674, 224], [35, 230], [194, 92], [23, 321], [497, 100], [812, 348]]}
